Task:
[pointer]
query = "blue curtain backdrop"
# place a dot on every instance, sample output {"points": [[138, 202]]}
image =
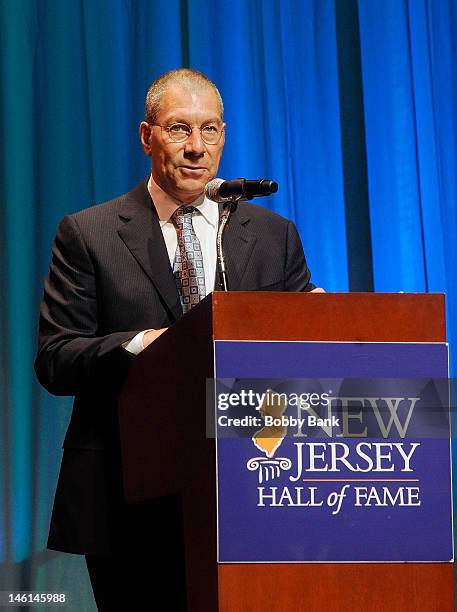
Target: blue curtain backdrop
{"points": [[351, 106]]}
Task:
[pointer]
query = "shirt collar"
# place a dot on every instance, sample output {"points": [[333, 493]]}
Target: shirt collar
{"points": [[166, 205]]}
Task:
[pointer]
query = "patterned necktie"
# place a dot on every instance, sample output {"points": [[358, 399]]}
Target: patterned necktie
{"points": [[188, 264]]}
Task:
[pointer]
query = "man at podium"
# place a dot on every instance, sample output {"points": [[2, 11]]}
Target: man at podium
{"points": [[121, 273]]}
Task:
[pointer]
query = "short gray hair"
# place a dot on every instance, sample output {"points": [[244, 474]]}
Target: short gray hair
{"points": [[186, 77]]}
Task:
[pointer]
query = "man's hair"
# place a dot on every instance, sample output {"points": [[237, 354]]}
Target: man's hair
{"points": [[193, 80]]}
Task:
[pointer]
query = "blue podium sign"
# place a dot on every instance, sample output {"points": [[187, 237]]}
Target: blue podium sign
{"points": [[333, 452]]}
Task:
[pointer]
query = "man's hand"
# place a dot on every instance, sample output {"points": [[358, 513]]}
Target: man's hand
{"points": [[317, 290], [151, 335]]}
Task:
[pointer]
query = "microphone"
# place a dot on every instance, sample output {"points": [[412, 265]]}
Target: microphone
{"points": [[219, 190]]}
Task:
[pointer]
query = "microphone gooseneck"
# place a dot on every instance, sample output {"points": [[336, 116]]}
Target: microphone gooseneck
{"points": [[229, 193], [223, 281]]}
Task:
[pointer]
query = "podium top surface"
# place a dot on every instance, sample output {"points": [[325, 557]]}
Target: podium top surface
{"points": [[332, 317]]}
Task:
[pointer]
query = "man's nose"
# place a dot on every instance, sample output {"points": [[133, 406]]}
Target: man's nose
{"points": [[195, 144]]}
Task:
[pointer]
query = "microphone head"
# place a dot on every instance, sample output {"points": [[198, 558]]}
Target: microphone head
{"points": [[222, 191], [212, 190]]}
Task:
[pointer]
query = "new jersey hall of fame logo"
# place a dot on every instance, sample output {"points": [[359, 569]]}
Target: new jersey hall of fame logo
{"points": [[342, 468], [311, 459]]}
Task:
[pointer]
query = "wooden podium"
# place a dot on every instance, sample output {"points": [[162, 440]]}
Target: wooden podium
{"points": [[165, 449]]}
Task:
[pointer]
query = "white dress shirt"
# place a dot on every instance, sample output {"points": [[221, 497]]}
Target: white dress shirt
{"points": [[205, 225]]}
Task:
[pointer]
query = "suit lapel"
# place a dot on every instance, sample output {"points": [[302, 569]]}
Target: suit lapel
{"points": [[237, 246], [140, 230]]}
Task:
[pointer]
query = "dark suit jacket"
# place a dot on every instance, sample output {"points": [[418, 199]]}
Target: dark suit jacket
{"points": [[110, 277]]}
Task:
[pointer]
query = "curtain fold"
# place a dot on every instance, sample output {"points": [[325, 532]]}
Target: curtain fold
{"points": [[409, 73]]}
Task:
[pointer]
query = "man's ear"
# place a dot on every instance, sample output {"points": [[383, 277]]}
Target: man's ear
{"points": [[145, 137]]}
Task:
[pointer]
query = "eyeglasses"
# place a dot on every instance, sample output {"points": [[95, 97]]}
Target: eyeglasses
{"points": [[179, 132]]}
